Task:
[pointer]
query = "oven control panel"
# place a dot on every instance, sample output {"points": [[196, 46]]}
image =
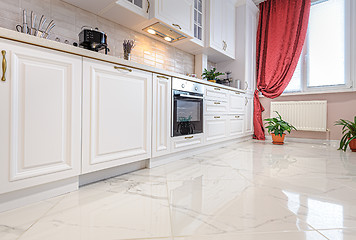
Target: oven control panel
{"points": [[187, 86]]}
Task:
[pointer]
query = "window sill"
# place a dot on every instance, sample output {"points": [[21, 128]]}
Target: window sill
{"points": [[344, 90]]}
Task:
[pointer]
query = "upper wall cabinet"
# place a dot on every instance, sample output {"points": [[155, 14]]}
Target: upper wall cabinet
{"points": [[221, 30], [247, 21], [177, 14], [128, 13]]}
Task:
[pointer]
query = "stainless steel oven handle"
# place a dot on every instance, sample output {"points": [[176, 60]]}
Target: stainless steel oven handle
{"points": [[189, 96]]}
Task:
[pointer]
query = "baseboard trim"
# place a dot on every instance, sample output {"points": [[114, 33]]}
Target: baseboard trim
{"points": [[97, 176], [42, 192], [306, 140], [158, 161]]}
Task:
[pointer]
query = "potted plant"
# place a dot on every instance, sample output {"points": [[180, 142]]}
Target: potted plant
{"points": [[349, 134], [211, 75], [277, 127]]}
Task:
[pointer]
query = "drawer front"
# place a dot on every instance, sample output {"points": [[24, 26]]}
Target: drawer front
{"points": [[236, 125], [236, 102], [216, 93], [215, 128], [212, 107], [186, 142]]}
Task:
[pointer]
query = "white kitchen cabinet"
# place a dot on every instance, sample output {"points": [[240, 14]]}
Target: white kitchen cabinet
{"points": [[40, 120], [215, 106], [247, 17], [216, 93], [176, 14], [215, 128], [128, 13], [248, 115], [236, 125], [236, 102], [117, 105], [243, 67], [221, 30], [187, 142], [161, 123]]}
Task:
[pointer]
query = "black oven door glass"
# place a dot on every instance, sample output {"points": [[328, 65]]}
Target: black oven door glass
{"points": [[187, 116]]}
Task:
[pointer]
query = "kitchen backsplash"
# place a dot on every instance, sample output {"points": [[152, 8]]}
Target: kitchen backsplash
{"points": [[69, 20]]}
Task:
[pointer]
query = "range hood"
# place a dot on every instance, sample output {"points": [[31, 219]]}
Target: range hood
{"points": [[161, 30]]}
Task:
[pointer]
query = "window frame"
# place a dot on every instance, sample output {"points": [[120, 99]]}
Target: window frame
{"points": [[350, 58]]}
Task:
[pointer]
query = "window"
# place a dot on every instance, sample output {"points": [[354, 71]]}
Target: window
{"points": [[323, 64], [198, 19]]}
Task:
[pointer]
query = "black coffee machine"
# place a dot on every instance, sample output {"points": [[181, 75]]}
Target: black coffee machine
{"points": [[93, 39]]}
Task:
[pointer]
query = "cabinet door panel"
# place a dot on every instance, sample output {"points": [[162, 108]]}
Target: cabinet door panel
{"points": [[216, 25], [177, 12], [236, 124], [43, 98], [237, 102], [249, 115], [215, 128], [116, 116], [161, 124], [229, 28]]}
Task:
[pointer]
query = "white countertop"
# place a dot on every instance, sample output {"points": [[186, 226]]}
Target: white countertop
{"points": [[50, 44]]}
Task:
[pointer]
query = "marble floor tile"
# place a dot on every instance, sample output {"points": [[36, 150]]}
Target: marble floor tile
{"points": [[202, 207], [246, 191], [111, 209], [15, 222], [308, 235], [340, 234]]}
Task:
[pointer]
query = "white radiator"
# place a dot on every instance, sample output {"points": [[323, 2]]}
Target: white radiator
{"points": [[304, 115]]}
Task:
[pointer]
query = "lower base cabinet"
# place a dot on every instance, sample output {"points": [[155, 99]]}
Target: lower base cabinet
{"points": [[117, 106], [216, 128], [186, 142], [236, 125], [248, 115], [40, 119]]}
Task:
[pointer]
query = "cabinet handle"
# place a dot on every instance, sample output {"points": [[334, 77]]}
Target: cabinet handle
{"points": [[237, 93], [237, 116], [189, 137], [216, 116], [123, 68], [246, 101], [216, 103], [148, 6], [225, 45], [164, 77], [246, 85], [4, 65], [217, 89], [177, 26]]}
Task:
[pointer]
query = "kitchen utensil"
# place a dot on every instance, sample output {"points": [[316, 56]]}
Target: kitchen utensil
{"points": [[41, 23], [48, 29], [33, 20], [39, 33], [24, 22], [20, 28]]}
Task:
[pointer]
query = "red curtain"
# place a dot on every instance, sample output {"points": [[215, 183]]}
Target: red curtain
{"points": [[281, 34]]}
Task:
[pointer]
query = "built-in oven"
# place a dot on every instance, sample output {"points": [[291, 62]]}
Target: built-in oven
{"points": [[187, 106]]}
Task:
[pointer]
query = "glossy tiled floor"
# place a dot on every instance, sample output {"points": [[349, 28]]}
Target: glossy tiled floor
{"points": [[246, 191]]}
